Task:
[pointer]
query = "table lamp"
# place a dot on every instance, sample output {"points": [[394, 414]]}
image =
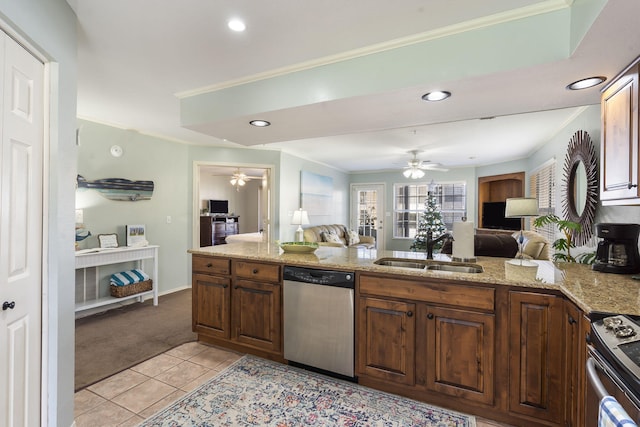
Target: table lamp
{"points": [[300, 217], [522, 207]]}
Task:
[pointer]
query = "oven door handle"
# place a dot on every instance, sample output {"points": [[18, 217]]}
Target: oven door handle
{"points": [[592, 375]]}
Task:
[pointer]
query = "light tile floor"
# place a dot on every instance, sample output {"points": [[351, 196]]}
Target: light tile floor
{"points": [[127, 398]]}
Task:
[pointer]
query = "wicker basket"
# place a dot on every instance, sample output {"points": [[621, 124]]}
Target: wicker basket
{"points": [[134, 288]]}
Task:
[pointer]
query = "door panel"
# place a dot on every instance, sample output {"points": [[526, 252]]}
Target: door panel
{"points": [[21, 164], [367, 211]]}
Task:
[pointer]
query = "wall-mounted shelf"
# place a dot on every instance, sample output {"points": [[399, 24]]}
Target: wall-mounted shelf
{"points": [[88, 265]]}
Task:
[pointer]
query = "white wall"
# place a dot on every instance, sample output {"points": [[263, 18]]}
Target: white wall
{"points": [[290, 195], [50, 26], [145, 158]]}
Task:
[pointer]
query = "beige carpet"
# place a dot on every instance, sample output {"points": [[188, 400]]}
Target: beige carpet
{"points": [[110, 342]]}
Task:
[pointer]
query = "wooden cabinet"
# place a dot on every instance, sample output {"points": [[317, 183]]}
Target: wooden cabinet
{"points": [[238, 303], [387, 340], [498, 188], [456, 352], [619, 142], [536, 356], [577, 327], [215, 229], [257, 309], [211, 289], [428, 335]]}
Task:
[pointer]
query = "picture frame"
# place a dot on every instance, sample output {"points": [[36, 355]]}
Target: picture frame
{"points": [[108, 241], [136, 235]]}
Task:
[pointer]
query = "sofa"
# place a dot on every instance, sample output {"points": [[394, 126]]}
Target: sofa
{"points": [[504, 245], [337, 235]]}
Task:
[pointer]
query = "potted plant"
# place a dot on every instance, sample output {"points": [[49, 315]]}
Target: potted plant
{"points": [[563, 245]]}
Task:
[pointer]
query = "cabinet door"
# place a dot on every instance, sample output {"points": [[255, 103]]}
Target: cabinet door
{"points": [[455, 352], [619, 148], [386, 340], [574, 364], [211, 304], [536, 332], [256, 318]]}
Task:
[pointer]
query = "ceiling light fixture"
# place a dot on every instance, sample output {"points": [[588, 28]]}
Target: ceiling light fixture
{"points": [[236, 25], [259, 123], [437, 95], [238, 179], [586, 83]]}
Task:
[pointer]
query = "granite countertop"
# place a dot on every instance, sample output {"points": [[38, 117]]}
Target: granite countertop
{"points": [[592, 291]]}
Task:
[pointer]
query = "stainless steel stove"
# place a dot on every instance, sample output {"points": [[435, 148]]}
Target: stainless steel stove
{"points": [[616, 339]]}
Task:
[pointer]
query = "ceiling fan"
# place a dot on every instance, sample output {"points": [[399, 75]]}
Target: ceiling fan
{"points": [[239, 179], [416, 167]]}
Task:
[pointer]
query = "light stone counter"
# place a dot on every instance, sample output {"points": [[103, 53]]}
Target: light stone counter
{"points": [[591, 291]]}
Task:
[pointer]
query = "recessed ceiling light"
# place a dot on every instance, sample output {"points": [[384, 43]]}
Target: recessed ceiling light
{"points": [[438, 95], [236, 25], [259, 123], [586, 83]]}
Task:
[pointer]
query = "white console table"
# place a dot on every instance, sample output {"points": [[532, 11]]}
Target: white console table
{"points": [[87, 284]]}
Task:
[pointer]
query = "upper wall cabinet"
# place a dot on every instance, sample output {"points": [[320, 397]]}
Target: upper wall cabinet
{"points": [[619, 145]]}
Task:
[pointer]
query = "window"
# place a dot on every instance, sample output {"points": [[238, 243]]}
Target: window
{"points": [[409, 203], [543, 187]]}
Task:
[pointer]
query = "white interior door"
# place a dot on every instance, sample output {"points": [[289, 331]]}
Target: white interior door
{"points": [[367, 211], [21, 191]]}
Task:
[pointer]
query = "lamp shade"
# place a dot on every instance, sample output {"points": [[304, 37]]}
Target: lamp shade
{"points": [[300, 217], [519, 207]]}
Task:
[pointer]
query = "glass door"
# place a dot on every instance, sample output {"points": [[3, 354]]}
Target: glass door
{"points": [[367, 211]]}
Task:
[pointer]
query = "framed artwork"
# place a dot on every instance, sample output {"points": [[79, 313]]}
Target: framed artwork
{"points": [[316, 193], [108, 241], [136, 235]]}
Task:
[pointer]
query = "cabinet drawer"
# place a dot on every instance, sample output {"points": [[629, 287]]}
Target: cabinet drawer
{"points": [[210, 265], [432, 291], [256, 270]]}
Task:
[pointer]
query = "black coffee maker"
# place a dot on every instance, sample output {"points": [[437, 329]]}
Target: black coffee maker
{"points": [[617, 252]]}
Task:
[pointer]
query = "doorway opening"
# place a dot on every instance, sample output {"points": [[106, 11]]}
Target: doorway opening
{"points": [[243, 189], [367, 211]]}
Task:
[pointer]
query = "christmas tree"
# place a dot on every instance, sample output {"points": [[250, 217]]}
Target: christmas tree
{"points": [[431, 220]]}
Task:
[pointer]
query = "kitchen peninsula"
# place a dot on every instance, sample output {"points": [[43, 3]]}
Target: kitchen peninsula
{"points": [[509, 350]]}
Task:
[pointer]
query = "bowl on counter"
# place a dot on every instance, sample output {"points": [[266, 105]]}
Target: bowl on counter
{"points": [[299, 247]]}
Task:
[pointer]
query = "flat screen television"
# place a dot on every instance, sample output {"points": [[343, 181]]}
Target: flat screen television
{"points": [[493, 217], [219, 206]]}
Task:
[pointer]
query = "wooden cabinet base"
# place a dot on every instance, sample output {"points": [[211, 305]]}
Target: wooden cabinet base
{"points": [[241, 348]]}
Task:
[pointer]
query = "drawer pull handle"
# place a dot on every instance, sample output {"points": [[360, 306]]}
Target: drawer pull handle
{"points": [[430, 316], [572, 320], [8, 305], [225, 286], [255, 271], [209, 265], [409, 313], [630, 186]]}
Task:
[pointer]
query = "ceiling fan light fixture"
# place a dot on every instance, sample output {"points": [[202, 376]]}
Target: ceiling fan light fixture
{"points": [[586, 83], [236, 25], [259, 123], [437, 95]]}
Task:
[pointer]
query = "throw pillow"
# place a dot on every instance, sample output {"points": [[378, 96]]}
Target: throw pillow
{"points": [[331, 238], [352, 237]]}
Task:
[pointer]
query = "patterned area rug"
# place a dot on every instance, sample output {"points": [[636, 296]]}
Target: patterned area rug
{"points": [[258, 392]]}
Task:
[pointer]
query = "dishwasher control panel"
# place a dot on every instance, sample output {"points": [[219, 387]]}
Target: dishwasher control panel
{"points": [[320, 277]]}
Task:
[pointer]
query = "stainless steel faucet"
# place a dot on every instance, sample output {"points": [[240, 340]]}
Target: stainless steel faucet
{"points": [[431, 241]]}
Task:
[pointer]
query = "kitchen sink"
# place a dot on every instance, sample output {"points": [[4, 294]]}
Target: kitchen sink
{"points": [[401, 262], [455, 267]]}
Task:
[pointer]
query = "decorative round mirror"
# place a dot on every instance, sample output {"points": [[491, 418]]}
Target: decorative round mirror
{"points": [[580, 185]]}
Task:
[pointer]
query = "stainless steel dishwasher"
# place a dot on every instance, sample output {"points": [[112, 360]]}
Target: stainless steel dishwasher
{"points": [[319, 319]]}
